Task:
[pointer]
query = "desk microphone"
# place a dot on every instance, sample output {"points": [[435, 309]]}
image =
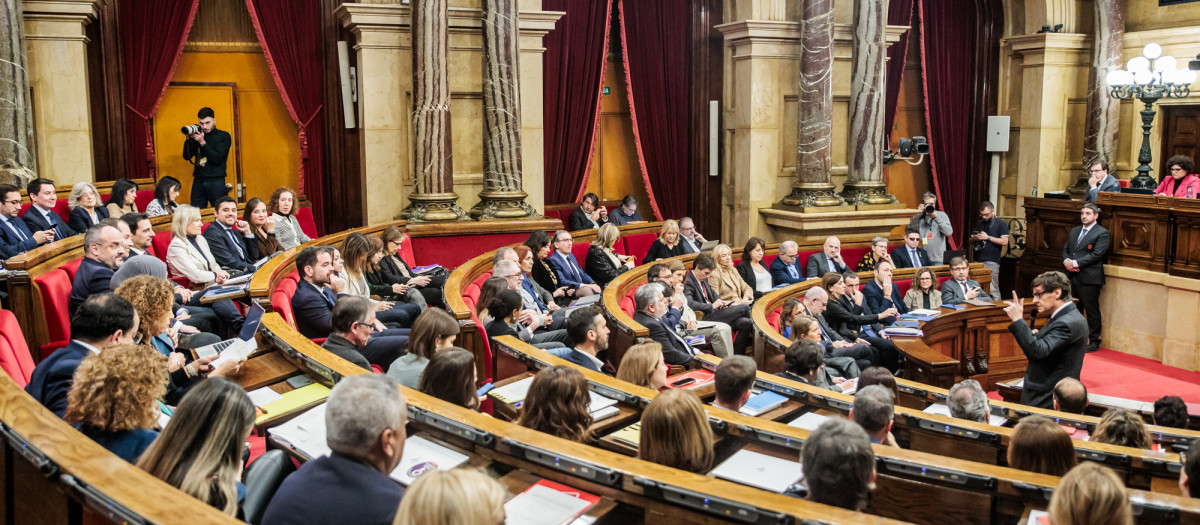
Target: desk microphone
{"points": [[1033, 318]]}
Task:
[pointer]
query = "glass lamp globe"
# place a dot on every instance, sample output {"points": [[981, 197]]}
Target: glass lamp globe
{"points": [[1138, 64], [1166, 63], [1152, 51], [1143, 77]]}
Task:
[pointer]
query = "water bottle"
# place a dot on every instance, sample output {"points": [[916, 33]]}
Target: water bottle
{"points": [[1191, 193]]}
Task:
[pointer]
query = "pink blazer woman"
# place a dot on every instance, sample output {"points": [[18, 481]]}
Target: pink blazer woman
{"points": [[1181, 189]]}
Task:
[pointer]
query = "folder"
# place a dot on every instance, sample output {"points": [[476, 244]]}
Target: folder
{"points": [[698, 378], [809, 421], [512, 393], [547, 503], [296, 399], [631, 434], [422, 455], [762, 403]]}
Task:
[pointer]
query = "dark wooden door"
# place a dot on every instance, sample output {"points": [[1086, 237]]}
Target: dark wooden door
{"points": [[1181, 134]]}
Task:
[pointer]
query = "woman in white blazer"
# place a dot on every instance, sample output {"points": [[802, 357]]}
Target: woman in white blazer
{"points": [[188, 254]]}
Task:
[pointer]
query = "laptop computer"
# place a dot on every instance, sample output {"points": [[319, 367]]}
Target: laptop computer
{"points": [[709, 245], [244, 343]]}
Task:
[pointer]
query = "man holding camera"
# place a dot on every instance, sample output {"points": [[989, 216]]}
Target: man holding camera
{"points": [[207, 148], [991, 234], [934, 228]]}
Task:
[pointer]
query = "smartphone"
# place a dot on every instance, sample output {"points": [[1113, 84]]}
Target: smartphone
{"points": [[483, 390], [687, 381], [299, 381]]}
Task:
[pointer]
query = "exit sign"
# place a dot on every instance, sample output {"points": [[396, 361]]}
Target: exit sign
{"points": [[607, 90]]}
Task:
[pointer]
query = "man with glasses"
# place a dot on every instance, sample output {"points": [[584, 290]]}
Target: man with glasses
{"points": [[911, 255], [15, 236], [1099, 180], [353, 324], [864, 356], [566, 266], [689, 238], [961, 288], [785, 269], [102, 249], [544, 326], [1056, 350], [991, 236]]}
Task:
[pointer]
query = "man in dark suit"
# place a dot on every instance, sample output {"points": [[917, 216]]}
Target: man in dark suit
{"points": [[102, 320], [102, 246], [786, 269], [230, 239], [911, 255], [566, 266], [1083, 257], [353, 322], [814, 302], [317, 293], [881, 294], [1099, 180], [829, 260], [15, 236], [961, 288], [40, 216], [1056, 350], [654, 312], [702, 298], [589, 333], [589, 215], [364, 429]]}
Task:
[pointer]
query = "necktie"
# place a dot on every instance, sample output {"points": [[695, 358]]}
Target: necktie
{"points": [[833, 267], [916, 260], [704, 290], [1082, 234], [53, 225], [571, 265], [236, 243], [964, 287], [676, 336], [16, 230], [328, 295], [792, 271]]}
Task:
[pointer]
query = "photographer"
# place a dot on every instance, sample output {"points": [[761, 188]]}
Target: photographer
{"points": [[207, 148], [934, 228], [990, 236]]}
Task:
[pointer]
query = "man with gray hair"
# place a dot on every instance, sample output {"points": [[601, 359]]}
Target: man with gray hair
{"points": [[873, 409], [657, 315], [933, 227], [545, 325], [786, 269], [102, 248], [689, 237], [967, 401], [504, 252], [838, 464], [863, 354], [364, 428]]}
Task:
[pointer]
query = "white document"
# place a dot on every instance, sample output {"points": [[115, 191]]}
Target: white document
{"points": [[940, 409], [542, 505], [759, 470], [513, 392], [263, 396], [1034, 516], [421, 456], [305, 433], [923, 312], [809, 421], [602, 407]]}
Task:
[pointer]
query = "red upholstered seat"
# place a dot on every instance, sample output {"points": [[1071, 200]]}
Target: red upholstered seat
{"points": [[478, 282], [55, 289], [579, 250], [143, 199], [942, 280], [1123, 182], [627, 305], [60, 208], [72, 267], [15, 358], [638, 244], [406, 254], [304, 216], [903, 285], [561, 215], [773, 318], [281, 298], [852, 255], [160, 243], [769, 258]]}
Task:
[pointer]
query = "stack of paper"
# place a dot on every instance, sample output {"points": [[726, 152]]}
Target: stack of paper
{"points": [[514, 392], [548, 503], [759, 470], [422, 455], [602, 407], [810, 421], [923, 312], [631, 434], [901, 331], [940, 409], [762, 403], [305, 433]]}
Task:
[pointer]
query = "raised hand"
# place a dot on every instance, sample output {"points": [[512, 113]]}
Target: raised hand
{"points": [[1014, 309]]}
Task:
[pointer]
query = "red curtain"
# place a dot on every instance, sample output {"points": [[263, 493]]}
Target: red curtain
{"points": [[657, 73], [290, 34], [573, 75], [153, 33], [899, 14], [948, 41]]}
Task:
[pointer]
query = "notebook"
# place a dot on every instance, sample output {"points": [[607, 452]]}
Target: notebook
{"points": [[295, 399], [548, 503], [305, 433], [759, 470], [940, 409], [923, 312], [422, 455], [631, 434], [762, 403], [810, 421], [514, 392], [980, 302], [602, 407], [901, 331]]}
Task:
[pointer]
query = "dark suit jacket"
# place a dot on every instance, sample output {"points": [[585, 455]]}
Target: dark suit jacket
{"points": [[80, 221], [1054, 353], [226, 253], [37, 222], [818, 265], [601, 267], [52, 378], [1090, 252], [313, 309], [335, 490], [341, 347], [847, 318], [1109, 184], [952, 292], [12, 245], [580, 221], [658, 250], [675, 352], [873, 299], [91, 277], [779, 272], [577, 357], [695, 290], [901, 257], [566, 274]]}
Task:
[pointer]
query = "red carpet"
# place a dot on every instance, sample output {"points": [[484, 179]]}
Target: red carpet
{"points": [[1113, 373]]}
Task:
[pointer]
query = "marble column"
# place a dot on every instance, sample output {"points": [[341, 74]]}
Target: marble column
{"points": [[18, 157], [434, 198], [503, 196], [864, 183], [1103, 111], [814, 140]]}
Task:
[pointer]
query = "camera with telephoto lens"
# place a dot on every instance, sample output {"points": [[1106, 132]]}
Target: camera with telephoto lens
{"points": [[190, 130], [930, 209], [979, 245]]}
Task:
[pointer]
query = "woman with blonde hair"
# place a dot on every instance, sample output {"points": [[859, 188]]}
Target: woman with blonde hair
{"points": [[188, 255], [1090, 494], [1122, 428], [924, 291], [725, 280], [460, 496], [602, 263], [1040, 445], [667, 244], [85, 207], [356, 254], [287, 228], [643, 365], [675, 432], [114, 395], [200, 450], [557, 404]]}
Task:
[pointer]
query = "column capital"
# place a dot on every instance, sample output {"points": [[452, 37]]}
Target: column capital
{"points": [[59, 20], [383, 17], [787, 32]]}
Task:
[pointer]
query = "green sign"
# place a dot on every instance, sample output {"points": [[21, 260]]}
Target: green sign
{"points": [[607, 90]]}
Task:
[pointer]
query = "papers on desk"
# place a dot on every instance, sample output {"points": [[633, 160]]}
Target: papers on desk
{"points": [[514, 392], [943, 410], [810, 421], [602, 407], [900, 331], [243, 278], [630, 435], [226, 291], [264, 396], [979, 302], [293, 400], [1038, 517], [547, 503], [762, 403], [759, 470], [923, 312], [305, 433], [237, 352], [849, 386], [422, 455]]}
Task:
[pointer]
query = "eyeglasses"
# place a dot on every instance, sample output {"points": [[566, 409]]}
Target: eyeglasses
{"points": [[1176, 168], [371, 326], [693, 228], [13, 203]]}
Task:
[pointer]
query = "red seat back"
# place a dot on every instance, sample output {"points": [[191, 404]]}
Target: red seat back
{"points": [[627, 305], [773, 318], [638, 244], [15, 358], [903, 285], [769, 258], [851, 256], [160, 243], [304, 216], [478, 282], [281, 300], [55, 290], [72, 267], [579, 250], [560, 215], [143, 199], [406, 253], [942, 280], [60, 208]]}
